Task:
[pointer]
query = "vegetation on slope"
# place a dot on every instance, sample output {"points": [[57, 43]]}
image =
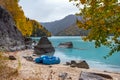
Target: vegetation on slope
{"points": [[39, 30]]}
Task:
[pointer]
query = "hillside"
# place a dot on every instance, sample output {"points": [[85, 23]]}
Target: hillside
{"points": [[73, 30], [65, 27], [60, 25]]}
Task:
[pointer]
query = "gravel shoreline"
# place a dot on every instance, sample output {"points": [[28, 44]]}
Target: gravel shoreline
{"points": [[32, 71]]}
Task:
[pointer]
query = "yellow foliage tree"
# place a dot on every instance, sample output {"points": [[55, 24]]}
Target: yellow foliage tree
{"points": [[39, 30]]}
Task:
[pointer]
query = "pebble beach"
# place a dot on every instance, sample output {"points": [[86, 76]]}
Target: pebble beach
{"points": [[29, 70]]}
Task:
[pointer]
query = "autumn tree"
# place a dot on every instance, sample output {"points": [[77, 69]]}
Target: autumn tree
{"points": [[102, 18], [39, 30]]}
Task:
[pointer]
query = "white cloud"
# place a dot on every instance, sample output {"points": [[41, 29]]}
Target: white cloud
{"points": [[47, 10]]}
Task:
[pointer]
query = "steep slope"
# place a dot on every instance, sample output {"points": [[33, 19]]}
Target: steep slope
{"points": [[59, 25]]}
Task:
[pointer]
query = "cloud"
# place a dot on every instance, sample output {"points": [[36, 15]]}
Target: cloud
{"points": [[47, 10]]}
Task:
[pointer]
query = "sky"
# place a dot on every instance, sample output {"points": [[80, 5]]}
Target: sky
{"points": [[47, 10]]}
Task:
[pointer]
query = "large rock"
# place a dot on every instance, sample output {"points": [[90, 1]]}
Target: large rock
{"points": [[11, 38], [78, 64], [66, 45], [94, 76], [90, 76], [82, 64], [44, 46]]}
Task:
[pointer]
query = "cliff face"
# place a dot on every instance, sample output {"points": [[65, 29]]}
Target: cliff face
{"points": [[11, 38]]}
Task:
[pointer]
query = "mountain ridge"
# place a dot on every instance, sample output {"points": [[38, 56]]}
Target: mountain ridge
{"points": [[56, 27]]}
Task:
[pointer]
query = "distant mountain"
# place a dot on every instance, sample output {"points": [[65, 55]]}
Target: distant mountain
{"points": [[59, 25], [65, 27], [72, 30]]}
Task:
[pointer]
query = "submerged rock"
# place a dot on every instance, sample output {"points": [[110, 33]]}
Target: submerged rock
{"points": [[11, 38], [66, 45], [44, 46]]}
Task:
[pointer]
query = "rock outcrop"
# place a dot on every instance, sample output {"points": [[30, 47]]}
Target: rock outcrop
{"points": [[11, 38], [28, 43], [44, 46], [94, 76], [78, 64], [66, 45]]}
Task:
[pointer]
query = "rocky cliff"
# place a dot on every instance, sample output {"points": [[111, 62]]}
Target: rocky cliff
{"points": [[11, 38]]}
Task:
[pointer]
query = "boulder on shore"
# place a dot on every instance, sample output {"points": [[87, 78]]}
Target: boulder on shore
{"points": [[94, 76], [12, 57], [44, 46], [11, 38], [28, 42], [78, 64], [66, 45]]}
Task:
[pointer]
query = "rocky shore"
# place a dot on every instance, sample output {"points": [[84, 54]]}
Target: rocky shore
{"points": [[32, 71]]}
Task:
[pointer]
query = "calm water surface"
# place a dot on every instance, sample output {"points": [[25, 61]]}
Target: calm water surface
{"points": [[85, 51]]}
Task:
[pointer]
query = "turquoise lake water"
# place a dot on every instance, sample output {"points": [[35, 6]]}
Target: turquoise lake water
{"points": [[85, 51]]}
